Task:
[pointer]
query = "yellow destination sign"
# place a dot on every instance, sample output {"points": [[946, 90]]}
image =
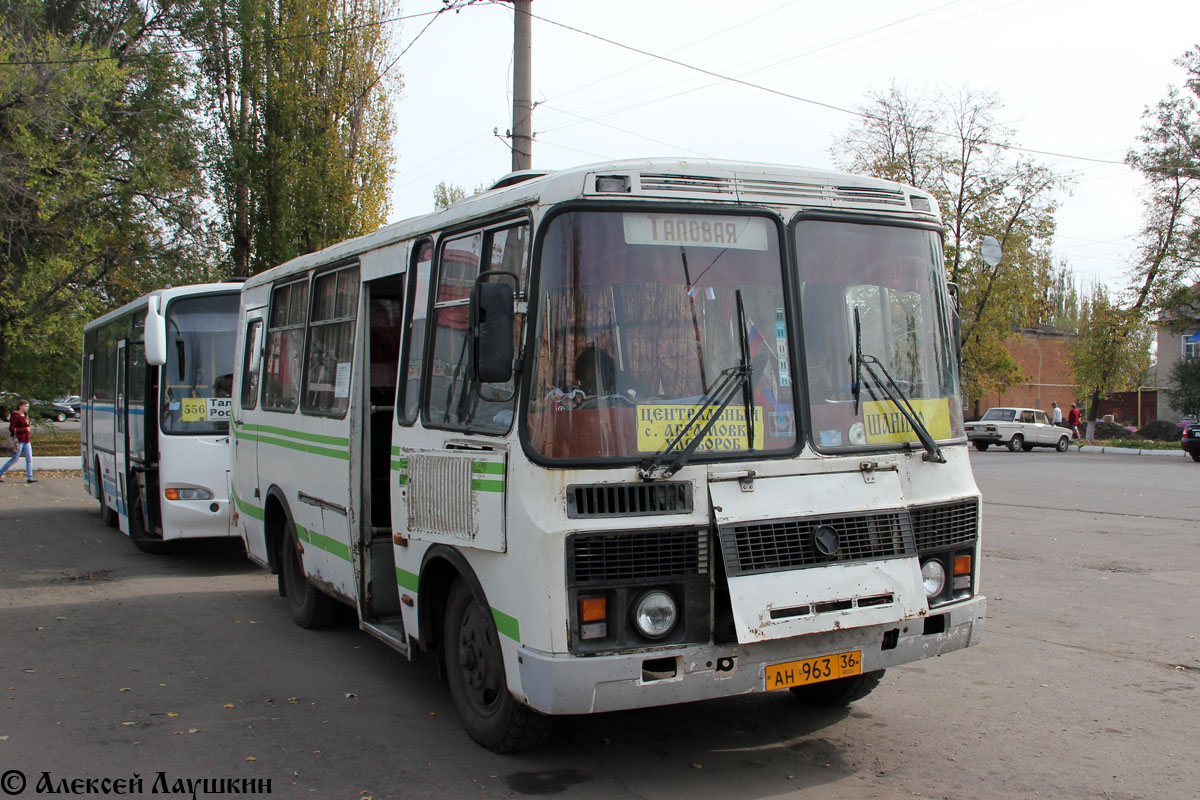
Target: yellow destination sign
{"points": [[657, 426], [193, 409], [886, 425]]}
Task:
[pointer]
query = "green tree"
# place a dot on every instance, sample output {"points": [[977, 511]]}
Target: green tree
{"points": [[1112, 352], [954, 147], [299, 110], [1061, 308], [1185, 397], [1168, 155], [99, 183], [447, 194]]}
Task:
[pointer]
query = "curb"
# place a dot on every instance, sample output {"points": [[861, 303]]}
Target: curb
{"points": [[1128, 451], [54, 462]]}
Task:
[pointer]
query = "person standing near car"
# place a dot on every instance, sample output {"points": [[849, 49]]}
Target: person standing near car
{"points": [[1073, 420], [18, 427], [1056, 415]]}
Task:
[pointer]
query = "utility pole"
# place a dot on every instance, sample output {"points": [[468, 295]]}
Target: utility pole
{"points": [[522, 116]]}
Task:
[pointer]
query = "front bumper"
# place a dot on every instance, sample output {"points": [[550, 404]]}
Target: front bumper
{"points": [[563, 684]]}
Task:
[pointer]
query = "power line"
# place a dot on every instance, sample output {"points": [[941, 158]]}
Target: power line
{"points": [[798, 98], [248, 43]]}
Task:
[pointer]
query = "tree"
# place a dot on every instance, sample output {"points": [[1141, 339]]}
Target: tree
{"points": [[299, 113], [99, 183], [1112, 352], [954, 147], [1169, 159], [447, 194], [1185, 399]]}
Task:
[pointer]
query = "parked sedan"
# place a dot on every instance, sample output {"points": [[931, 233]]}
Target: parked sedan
{"points": [[1017, 429], [1191, 441]]}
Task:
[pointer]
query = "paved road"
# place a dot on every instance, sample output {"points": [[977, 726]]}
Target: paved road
{"points": [[1086, 684]]}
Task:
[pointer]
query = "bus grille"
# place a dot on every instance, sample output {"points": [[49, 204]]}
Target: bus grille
{"points": [[640, 555], [628, 499], [936, 527], [439, 496], [778, 545], [748, 188]]}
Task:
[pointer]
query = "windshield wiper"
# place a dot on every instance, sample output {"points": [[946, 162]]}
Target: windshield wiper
{"points": [[723, 393], [893, 391]]}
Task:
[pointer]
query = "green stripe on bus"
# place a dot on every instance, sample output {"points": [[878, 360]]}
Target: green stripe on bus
{"points": [[249, 510], [307, 437], [323, 542], [344, 455], [399, 463], [402, 479], [406, 580], [488, 467], [507, 625], [480, 485]]}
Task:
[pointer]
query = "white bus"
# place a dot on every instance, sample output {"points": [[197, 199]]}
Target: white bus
{"points": [[621, 436], [157, 376]]}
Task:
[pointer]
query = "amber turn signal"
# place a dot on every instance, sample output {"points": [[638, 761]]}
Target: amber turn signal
{"points": [[593, 609], [962, 565], [171, 494]]}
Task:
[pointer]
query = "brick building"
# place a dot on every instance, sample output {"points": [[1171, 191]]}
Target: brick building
{"points": [[1178, 338], [1042, 352]]}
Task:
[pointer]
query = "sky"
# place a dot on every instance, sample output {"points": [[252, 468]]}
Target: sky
{"points": [[1075, 79]]}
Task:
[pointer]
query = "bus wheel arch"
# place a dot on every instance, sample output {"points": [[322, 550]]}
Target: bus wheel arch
{"points": [[440, 568]]}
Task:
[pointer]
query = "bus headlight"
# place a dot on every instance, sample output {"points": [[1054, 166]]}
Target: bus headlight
{"points": [[655, 614], [933, 574], [187, 493]]}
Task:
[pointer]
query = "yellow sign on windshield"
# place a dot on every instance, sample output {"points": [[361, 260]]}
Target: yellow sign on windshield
{"points": [[658, 425], [886, 425]]}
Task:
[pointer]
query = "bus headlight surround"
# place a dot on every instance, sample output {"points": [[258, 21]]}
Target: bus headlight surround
{"points": [[655, 614], [187, 493], [933, 576]]}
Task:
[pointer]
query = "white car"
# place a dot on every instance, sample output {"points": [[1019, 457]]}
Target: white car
{"points": [[1017, 429]]}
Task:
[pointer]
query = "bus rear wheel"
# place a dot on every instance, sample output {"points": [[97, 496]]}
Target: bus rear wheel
{"points": [[475, 672], [840, 691], [310, 607]]}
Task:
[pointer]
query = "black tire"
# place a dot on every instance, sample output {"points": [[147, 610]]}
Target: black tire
{"points": [[138, 534], [1195, 455], [1016, 442], [981, 446], [310, 607], [107, 514], [1063, 444], [60, 417], [1028, 448], [475, 672], [840, 691]]}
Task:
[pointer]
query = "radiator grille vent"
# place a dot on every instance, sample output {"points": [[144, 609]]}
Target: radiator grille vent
{"points": [[936, 527], [628, 499], [765, 190], [636, 556], [788, 544]]}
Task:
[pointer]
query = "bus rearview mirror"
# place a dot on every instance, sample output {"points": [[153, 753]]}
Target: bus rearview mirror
{"points": [[492, 326], [155, 333]]}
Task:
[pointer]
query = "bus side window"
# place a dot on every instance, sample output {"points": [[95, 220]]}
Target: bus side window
{"points": [[412, 356], [251, 362], [285, 340], [331, 343]]}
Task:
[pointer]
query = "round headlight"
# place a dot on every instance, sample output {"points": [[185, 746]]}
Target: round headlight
{"points": [[934, 576], [655, 614]]}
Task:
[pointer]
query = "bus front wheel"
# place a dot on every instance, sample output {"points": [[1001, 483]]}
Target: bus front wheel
{"points": [[475, 671], [138, 527], [310, 607], [109, 515], [839, 691]]}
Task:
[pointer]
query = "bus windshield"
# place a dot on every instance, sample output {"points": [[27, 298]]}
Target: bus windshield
{"points": [[638, 323], [875, 290], [198, 376]]}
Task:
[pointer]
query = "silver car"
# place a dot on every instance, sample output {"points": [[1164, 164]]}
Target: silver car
{"points": [[1017, 429]]}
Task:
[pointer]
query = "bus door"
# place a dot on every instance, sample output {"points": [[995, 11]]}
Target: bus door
{"points": [[121, 440], [245, 492], [91, 480], [384, 304]]}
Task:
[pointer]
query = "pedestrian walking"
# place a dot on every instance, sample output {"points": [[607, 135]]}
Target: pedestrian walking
{"points": [[1056, 414], [1073, 421], [18, 428]]}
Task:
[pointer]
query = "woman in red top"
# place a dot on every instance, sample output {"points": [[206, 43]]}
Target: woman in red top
{"points": [[18, 426], [1073, 420]]}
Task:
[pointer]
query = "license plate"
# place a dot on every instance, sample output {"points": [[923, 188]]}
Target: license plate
{"points": [[814, 670]]}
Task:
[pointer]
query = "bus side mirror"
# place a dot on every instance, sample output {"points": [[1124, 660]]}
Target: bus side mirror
{"points": [[493, 326], [155, 333]]}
